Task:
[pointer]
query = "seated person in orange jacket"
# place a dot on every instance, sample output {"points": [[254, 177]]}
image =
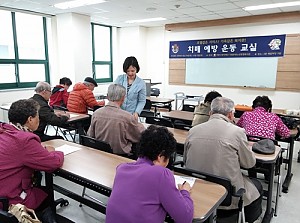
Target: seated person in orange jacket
{"points": [[60, 95], [82, 97]]}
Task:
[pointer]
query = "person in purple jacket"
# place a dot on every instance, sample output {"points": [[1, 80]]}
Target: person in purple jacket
{"points": [[145, 190], [21, 153]]}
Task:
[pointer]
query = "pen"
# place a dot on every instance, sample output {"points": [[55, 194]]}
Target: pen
{"points": [[184, 182]]}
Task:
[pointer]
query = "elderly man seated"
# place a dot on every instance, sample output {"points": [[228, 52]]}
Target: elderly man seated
{"points": [[46, 113], [115, 126], [219, 147]]}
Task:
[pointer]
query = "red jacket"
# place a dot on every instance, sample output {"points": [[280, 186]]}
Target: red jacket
{"points": [[20, 154], [59, 96], [82, 98]]}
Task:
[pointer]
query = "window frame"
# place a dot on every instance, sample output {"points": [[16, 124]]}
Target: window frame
{"points": [[98, 62], [17, 61]]}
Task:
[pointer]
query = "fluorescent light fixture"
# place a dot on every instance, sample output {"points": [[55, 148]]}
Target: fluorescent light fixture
{"points": [[146, 20], [77, 3], [271, 6]]}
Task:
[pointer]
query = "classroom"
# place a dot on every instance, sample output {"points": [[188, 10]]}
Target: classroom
{"points": [[71, 51]]}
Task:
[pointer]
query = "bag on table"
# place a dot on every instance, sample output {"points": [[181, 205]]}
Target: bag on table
{"points": [[290, 122], [23, 214]]}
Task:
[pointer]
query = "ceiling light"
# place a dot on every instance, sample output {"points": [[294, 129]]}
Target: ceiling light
{"points": [[146, 20], [151, 9], [270, 6], [77, 3]]}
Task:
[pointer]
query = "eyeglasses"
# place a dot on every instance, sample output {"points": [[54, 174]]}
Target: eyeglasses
{"points": [[48, 90]]}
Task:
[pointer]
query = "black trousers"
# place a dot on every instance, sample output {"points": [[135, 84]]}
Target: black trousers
{"points": [[254, 210]]}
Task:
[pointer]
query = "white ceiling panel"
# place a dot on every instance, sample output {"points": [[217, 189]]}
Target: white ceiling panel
{"points": [[116, 12], [220, 7]]}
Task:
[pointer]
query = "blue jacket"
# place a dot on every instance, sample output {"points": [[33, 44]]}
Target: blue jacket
{"points": [[135, 100]]}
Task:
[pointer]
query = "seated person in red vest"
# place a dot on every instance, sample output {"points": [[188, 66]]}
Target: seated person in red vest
{"points": [[60, 93], [116, 126], [261, 122], [81, 97]]}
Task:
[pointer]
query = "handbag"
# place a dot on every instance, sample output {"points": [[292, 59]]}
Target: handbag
{"points": [[290, 122], [23, 214]]}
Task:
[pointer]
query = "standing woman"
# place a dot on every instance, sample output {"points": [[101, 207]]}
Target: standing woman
{"points": [[135, 99]]}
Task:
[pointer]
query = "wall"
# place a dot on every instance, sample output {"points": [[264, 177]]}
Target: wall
{"points": [[288, 100], [74, 46], [72, 55]]}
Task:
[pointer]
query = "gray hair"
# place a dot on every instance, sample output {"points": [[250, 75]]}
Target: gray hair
{"points": [[115, 92], [222, 105], [42, 86]]}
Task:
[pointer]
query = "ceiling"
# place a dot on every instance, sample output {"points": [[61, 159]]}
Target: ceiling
{"points": [[116, 12]]}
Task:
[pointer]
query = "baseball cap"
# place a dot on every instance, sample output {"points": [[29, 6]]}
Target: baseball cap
{"points": [[91, 80]]}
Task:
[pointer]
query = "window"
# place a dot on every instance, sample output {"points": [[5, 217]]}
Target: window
{"points": [[23, 50], [102, 52]]}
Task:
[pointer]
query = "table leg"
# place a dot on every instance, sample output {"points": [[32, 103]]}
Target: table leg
{"points": [[50, 190], [289, 175], [269, 210]]}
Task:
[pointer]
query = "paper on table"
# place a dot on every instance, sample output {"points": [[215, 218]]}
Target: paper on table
{"points": [[66, 149], [73, 115], [181, 179]]}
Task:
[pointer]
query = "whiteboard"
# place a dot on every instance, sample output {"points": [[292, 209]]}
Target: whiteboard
{"points": [[245, 72]]}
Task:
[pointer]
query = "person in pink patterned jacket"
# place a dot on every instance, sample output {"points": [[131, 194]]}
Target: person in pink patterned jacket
{"points": [[21, 153], [261, 122]]}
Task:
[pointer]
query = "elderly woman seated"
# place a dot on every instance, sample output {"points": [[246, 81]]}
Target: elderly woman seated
{"points": [[145, 190], [21, 153]]}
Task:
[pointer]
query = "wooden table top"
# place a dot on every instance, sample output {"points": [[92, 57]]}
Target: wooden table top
{"points": [[100, 167], [5, 107], [73, 116], [283, 113], [181, 115], [266, 158], [160, 100], [179, 134]]}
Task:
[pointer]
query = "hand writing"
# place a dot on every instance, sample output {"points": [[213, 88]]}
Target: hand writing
{"points": [[185, 186]]}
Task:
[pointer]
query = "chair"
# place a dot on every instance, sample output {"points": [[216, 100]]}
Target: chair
{"points": [[4, 215], [96, 144], [231, 191], [65, 129], [155, 92], [146, 112], [159, 121], [189, 108], [181, 125]]}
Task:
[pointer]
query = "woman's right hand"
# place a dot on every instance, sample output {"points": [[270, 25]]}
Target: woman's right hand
{"points": [[186, 186], [50, 148]]}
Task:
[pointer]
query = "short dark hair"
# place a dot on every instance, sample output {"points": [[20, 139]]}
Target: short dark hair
{"points": [[65, 81], [21, 110], [91, 81], [211, 96], [131, 61], [156, 141], [262, 101]]}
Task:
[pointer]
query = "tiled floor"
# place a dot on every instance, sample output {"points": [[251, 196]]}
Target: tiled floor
{"points": [[287, 208]]}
